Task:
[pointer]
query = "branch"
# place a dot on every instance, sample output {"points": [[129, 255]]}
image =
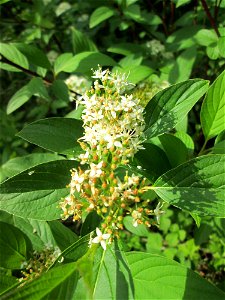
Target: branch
{"points": [[210, 17], [32, 73]]}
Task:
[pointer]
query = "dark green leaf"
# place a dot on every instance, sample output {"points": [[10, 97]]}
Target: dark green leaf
{"points": [[157, 277], [197, 186], [14, 246], [170, 105], [54, 134], [81, 42]]}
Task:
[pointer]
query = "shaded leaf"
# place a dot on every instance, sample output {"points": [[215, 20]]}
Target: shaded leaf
{"points": [[100, 14]]}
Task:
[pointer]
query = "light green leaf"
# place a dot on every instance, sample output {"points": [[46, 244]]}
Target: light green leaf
{"points": [[213, 51], [126, 49], [54, 134], [83, 62], [81, 42], [61, 284], [4, 1], [135, 74], [43, 186], [172, 104], [174, 148], [100, 14], [34, 55], [34, 87], [14, 246], [111, 276], [19, 164], [11, 53], [157, 277], [61, 62], [7, 67], [183, 66], [213, 108], [197, 186], [221, 46], [140, 230], [206, 37]]}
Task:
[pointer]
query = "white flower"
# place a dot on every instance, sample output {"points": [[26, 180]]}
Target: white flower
{"points": [[158, 212], [100, 238]]}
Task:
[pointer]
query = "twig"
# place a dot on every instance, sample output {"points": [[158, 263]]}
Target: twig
{"points": [[210, 17], [32, 73]]}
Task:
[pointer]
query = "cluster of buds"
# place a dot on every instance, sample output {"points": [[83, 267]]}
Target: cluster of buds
{"points": [[77, 84], [39, 263], [113, 132]]}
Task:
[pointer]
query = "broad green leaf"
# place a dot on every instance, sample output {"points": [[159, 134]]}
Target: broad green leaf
{"points": [[219, 148], [83, 62], [100, 14], [34, 87], [140, 230], [183, 66], [131, 60], [126, 49], [60, 90], [58, 283], [19, 164], [11, 53], [63, 236], [19, 98], [181, 2], [43, 186], [157, 277], [14, 246], [187, 140], [175, 149], [44, 204], [197, 186], [61, 62], [111, 276], [213, 109], [34, 55], [81, 42], [170, 105], [75, 251], [213, 51], [91, 222], [4, 1], [46, 176], [7, 282], [54, 134], [7, 67], [206, 37], [153, 161]]}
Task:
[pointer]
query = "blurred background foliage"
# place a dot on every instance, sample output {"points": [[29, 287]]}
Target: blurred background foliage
{"points": [[156, 43]]}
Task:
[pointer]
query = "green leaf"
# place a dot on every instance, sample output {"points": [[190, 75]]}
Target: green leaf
{"points": [[54, 134], [212, 111], [183, 66], [83, 62], [170, 105], [206, 37], [43, 186], [58, 283], [19, 164], [34, 87], [4, 1], [34, 55], [187, 140], [81, 42], [11, 53], [60, 90], [153, 161], [46, 176], [111, 276], [213, 51], [61, 62], [197, 186], [140, 230], [126, 49], [7, 282], [63, 236], [14, 246], [221, 46], [174, 148], [157, 277], [100, 14]]}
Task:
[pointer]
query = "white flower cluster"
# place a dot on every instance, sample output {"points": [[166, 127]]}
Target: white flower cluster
{"points": [[113, 132], [78, 84]]}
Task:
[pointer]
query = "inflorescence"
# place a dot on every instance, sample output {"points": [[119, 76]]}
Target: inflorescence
{"points": [[113, 132]]}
